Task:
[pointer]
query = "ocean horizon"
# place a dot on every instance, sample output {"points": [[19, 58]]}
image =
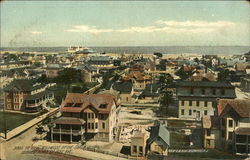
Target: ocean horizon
{"points": [[143, 49]]}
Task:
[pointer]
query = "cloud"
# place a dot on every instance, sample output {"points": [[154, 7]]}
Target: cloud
{"points": [[36, 32], [176, 27], [88, 29], [199, 24]]}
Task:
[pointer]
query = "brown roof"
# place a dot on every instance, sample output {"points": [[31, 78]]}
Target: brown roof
{"points": [[203, 76], [77, 102], [137, 76], [188, 68], [210, 122], [241, 106], [240, 67], [69, 120], [242, 131]]}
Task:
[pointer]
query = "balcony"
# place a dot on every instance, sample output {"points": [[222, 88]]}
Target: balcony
{"points": [[68, 131]]}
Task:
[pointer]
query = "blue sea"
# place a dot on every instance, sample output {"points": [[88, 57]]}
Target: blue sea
{"points": [[144, 49]]}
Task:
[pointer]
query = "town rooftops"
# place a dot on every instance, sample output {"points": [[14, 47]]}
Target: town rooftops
{"points": [[77, 102], [161, 132], [240, 106], [204, 84], [137, 76], [53, 66], [151, 90], [100, 58]]}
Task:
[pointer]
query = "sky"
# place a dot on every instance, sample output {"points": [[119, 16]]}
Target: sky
{"points": [[124, 23]]}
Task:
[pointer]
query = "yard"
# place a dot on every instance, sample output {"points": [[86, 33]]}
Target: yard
{"points": [[13, 120]]}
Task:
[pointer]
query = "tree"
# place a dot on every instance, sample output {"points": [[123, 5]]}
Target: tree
{"points": [[167, 98], [68, 75], [40, 130], [183, 74], [223, 75]]}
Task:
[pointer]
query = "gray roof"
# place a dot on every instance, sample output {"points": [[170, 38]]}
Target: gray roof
{"points": [[100, 58], [23, 85], [204, 84], [161, 132]]}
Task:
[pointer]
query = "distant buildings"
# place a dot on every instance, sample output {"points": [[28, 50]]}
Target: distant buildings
{"points": [[197, 98], [26, 95], [86, 117], [52, 70]]}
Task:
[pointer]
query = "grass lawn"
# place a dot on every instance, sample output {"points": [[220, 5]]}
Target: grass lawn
{"points": [[214, 154], [14, 120], [178, 140]]}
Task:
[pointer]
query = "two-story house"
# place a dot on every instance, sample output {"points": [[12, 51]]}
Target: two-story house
{"points": [[234, 118], [86, 117], [198, 98], [27, 95]]}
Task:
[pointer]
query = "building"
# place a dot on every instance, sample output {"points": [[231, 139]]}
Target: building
{"points": [[159, 140], [86, 117], [52, 70], [27, 95], [211, 132], [125, 88], [198, 98], [91, 74], [139, 80], [234, 118], [151, 94], [245, 83], [138, 144], [101, 61]]}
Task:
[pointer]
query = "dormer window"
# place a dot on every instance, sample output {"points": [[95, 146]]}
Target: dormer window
{"points": [[103, 106]]}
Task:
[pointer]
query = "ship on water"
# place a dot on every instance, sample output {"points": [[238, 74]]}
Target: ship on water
{"points": [[80, 50]]}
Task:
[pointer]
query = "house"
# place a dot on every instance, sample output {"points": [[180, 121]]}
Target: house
{"points": [[198, 98], [86, 117], [90, 73], [245, 83], [27, 95], [151, 94], [139, 80], [101, 61], [138, 144], [125, 88], [159, 140], [211, 132], [52, 70], [234, 118]]}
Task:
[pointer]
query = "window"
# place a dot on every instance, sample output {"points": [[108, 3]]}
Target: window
{"points": [[205, 112], [88, 125], [182, 112], [134, 149], [236, 123], [190, 103], [182, 103], [222, 122], [191, 91], [214, 91], [103, 125], [92, 125], [230, 123], [140, 150], [222, 91], [208, 132], [203, 91], [197, 103], [103, 106], [190, 112], [230, 135], [205, 103], [96, 125], [208, 142]]}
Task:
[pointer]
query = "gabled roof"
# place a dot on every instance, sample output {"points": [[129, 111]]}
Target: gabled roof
{"points": [[100, 58], [23, 85], [240, 106], [161, 132], [76, 102]]}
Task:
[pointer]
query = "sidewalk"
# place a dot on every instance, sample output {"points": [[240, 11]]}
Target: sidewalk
{"points": [[74, 150], [29, 124]]}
